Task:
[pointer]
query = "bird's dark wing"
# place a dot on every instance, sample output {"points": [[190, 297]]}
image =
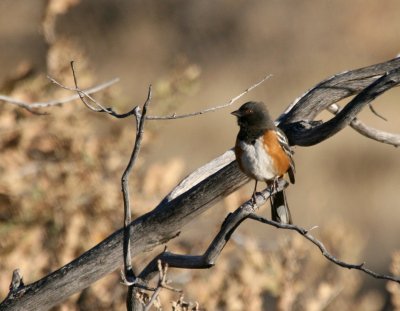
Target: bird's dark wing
{"points": [[283, 141]]}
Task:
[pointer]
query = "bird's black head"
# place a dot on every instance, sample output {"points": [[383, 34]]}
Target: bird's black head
{"points": [[254, 115]]}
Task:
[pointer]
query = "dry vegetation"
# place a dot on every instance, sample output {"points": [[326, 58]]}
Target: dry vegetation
{"points": [[60, 195]]}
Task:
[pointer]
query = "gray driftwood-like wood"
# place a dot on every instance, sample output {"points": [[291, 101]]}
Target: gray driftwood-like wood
{"points": [[210, 183]]}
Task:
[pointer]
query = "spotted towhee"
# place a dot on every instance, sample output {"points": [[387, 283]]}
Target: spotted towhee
{"points": [[263, 153]]}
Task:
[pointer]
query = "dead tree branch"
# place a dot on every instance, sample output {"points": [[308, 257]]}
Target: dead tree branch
{"points": [[209, 258], [212, 109], [320, 132], [140, 120], [330, 91], [246, 211], [370, 132], [207, 185], [128, 276], [56, 102], [194, 195], [162, 283], [324, 251]]}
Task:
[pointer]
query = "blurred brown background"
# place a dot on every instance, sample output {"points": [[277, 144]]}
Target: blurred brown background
{"points": [[197, 54]]}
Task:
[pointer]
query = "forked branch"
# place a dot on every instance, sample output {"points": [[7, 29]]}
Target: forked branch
{"points": [[318, 133], [246, 211], [32, 107]]}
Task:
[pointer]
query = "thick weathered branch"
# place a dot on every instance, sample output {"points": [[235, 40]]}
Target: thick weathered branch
{"points": [[320, 132], [334, 89], [200, 192], [208, 259]]}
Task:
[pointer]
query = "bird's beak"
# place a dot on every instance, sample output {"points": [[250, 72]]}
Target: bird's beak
{"points": [[236, 113]]}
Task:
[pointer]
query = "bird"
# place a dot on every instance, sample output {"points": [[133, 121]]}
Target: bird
{"points": [[263, 153]]}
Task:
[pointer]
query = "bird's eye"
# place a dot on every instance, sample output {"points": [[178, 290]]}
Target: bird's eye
{"points": [[247, 111]]}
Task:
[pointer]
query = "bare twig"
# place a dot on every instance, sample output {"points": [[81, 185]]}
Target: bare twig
{"points": [[161, 280], [128, 276], [370, 132], [212, 109], [35, 105], [373, 110], [140, 120], [162, 283], [83, 95], [323, 249]]}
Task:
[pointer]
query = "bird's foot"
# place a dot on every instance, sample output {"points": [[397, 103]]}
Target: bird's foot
{"points": [[253, 198]]}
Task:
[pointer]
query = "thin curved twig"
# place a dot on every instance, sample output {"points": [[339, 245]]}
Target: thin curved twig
{"points": [[83, 95], [56, 102], [101, 108], [162, 283], [370, 132], [373, 110], [212, 109], [129, 276], [324, 251]]}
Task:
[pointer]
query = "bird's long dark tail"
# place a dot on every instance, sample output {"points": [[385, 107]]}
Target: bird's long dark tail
{"points": [[280, 209]]}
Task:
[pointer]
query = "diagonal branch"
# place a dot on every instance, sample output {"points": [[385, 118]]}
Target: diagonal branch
{"points": [[324, 251], [230, 224], [370, 132], [212, 109], [208, 259]]}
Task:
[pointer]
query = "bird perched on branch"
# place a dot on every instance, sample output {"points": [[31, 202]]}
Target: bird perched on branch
{"points": [[263, 153]]}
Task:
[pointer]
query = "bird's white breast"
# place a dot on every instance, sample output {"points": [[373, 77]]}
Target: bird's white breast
{"points": [[255, 160]]}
